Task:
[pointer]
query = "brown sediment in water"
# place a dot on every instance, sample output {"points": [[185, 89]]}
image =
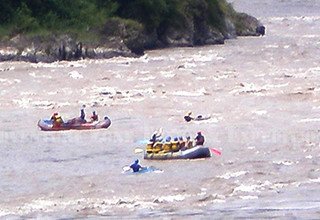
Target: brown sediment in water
{"points": [[265, 124]]}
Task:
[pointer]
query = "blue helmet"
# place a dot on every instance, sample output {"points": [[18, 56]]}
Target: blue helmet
{"points": [[136, 161], [175, 139], [168, 139]]}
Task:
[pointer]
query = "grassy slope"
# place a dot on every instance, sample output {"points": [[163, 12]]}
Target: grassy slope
{"points": [[86, 19]]}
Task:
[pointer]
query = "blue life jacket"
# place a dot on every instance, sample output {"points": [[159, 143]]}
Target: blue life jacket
{"points": [[135, 167]]}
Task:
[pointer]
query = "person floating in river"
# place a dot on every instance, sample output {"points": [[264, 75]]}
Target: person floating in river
{"points": [[188, 117], [135, 166], [199, 139]]}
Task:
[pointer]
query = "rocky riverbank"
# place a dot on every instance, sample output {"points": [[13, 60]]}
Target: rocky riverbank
{"points": [[120, 38]]}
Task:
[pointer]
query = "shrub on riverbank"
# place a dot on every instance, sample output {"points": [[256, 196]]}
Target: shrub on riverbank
{"points": [[122, 24]]}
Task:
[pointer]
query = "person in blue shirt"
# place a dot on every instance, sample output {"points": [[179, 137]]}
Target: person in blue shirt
{"points": [[136, 166]]}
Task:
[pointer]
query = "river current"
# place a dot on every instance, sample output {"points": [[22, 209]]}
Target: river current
{"points": [[263, 94]]}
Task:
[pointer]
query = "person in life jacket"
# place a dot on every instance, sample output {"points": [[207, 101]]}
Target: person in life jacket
{"points": [[175, 145], [57, 120], [182, 143], [189, 142], [188, 117], [94, 116], [199, 138], [135, 166], [167, 145]]}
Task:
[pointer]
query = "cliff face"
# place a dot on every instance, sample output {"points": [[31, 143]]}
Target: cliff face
{"points": [[197, 24]]}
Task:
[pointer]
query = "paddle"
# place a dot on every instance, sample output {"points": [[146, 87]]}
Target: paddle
{"points": [[215, 151], [138, 150], [126, 168]]}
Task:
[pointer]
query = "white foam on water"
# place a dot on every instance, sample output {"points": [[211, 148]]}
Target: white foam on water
{"points": [[246, 188], [23, 102], [159, 58], [75, 75], [272, 46], [173, 198], [285, 162], [315, 180], [309, 120], [52, 93], [310, 36], [9, 82], [247, 88], [49, 65], [294, 18], [43, 104], [219, 77], [230, 175], [167, 74], [141, 72], [313, 70], [189, 65], [34, 75], [260, 112], [252, 187], [187, 103], [270, 86], [79, 63], [199, 92], [7, 68], [252, 88], [248, 197], [147, 78], [279, 185], [105, 90], [208, 121], [118, 76], [27, 93], [201, 78], [63, 104]]}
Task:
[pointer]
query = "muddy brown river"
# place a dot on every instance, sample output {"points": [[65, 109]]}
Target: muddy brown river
{"points": [[263, 94]]}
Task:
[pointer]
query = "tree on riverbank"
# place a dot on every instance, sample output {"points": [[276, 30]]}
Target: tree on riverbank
{"points": [[139, 24]]}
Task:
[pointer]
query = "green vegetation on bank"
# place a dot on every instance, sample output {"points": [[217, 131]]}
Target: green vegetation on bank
{"points": [[82, 17]]}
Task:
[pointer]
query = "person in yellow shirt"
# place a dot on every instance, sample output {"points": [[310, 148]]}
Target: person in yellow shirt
{"points": [[189, 143], [56, 120], [167, 145], [175, 145]]}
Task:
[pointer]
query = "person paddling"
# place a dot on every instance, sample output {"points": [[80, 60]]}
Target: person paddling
{"points": [[56, 120], [82, 116], [199, 139], [94, 116]]}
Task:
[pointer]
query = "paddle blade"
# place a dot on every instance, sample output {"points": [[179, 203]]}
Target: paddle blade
{"points": [[138, 150], [126, 168], [215, 151]]}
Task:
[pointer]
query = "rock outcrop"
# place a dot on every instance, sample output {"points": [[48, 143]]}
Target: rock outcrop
{"points": [[120, 37]]}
